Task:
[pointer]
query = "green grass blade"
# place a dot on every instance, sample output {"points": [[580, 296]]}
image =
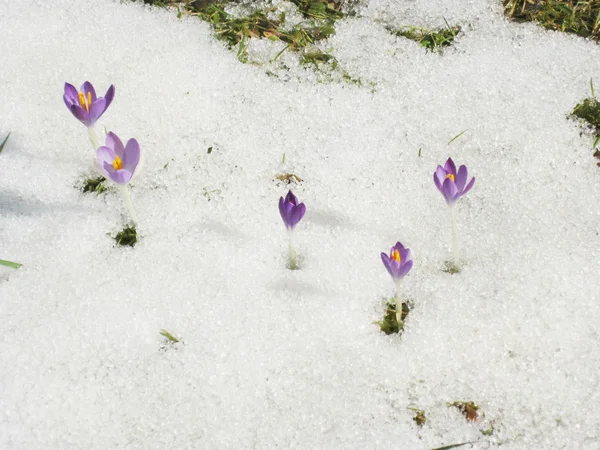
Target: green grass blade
{"points": [[4, 142], [456, 137], [14, 265], [592, 85], [596, 142]]}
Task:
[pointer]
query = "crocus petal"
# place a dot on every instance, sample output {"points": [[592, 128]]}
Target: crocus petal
{"points": [[70, 96], [450, 167], [131, 155], [449, 191], [469, 186], [105, 155], [439, 176], [97, 109], [405, 269], [107, 168], [120, 176], [113, 141], [88, 87], [110, 93], [296, 214], [282, 210], [80, 114], [291, 198], [386, 262], [405, 255], [461, 178]]}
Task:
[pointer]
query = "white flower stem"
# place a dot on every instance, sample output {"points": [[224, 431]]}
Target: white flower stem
{"points": [[93, 138], [128, 203], [293, 263], [398, 303], [455, 251]]}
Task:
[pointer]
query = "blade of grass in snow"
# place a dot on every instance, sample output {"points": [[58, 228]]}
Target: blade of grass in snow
{"points": [[14, 265], [4, 142], [456, 137]]}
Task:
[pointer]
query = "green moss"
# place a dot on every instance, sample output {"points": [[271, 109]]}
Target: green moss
{"points": [[390, 324], [127, 236], [579, 17], [433, 40], [94, 185]]}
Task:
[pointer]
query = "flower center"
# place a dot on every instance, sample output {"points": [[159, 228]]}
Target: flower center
{"points": [[85, 104], [117, 163], [450, 176], [396, 255]]}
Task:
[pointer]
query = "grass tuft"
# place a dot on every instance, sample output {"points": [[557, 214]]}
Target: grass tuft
{"points": [[433, 40], [589, 111], [95, 185], [390, 324], [127, 236], [579, 17]]}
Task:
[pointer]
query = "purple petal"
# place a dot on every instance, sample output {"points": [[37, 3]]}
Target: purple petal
{"points": [[282, 210], [439, 176], [386, 262], [80, 113], [405, 255], [291, 198], [105, 155], [461, 178], [70, 96], [109, 95], [296, 214], [97, 109], [449, 191], [450, 167], [88, 87], [469, 186], [121, 176], [113, 141], [131, 155], [405, 269]]}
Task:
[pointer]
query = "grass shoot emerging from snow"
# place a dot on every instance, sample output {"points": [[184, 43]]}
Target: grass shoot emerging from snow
{"points": [[390, 324], [433, 40], [578, 17], [127, 236], [4, 142], [95, 185], [588, 110]]}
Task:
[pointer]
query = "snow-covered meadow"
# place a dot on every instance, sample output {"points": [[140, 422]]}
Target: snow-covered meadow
{"points": [[274, 358]]}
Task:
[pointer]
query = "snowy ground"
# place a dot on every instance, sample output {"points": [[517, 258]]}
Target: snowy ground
{"points": [[273, 358]]}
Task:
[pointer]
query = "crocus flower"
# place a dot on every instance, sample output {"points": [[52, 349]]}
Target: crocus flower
{"points": [[398, 263], [452, 183], [116, 162], [291, 212], [84, 104]]}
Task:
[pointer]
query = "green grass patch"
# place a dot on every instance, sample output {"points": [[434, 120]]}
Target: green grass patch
{"points": [[95, 185], [390, 323], [588, 111], [433, 40], [579, 17], [127, 236], [269, 23]]}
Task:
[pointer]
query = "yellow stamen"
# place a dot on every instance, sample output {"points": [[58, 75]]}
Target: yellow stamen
{"points": [[82, 101], [117, 163], [450, 176], [396, 255]]}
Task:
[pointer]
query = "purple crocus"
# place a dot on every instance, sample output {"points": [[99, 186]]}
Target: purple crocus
{"points": [[398, 263], [117, 162], [84, 104], [452, 183], [291, 212]]}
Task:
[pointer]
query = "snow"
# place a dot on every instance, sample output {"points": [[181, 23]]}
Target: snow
{"points": [[273, 358]]}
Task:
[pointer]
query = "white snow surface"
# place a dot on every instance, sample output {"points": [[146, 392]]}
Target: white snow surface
{"points": [[274, 358]]}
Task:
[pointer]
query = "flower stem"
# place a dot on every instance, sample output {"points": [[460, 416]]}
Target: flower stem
{"points": [[128, 203], [93, 138], [293, 263], [455, 251], [398, 303]]}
